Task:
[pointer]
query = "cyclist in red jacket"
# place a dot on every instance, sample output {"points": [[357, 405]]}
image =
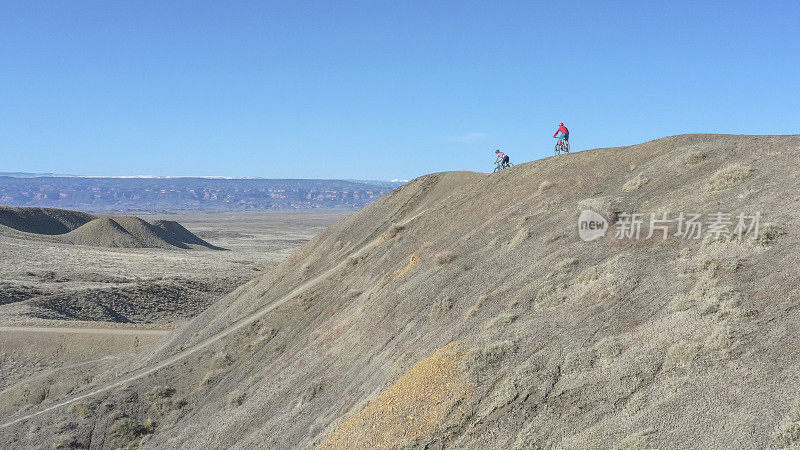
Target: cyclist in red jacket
{"points": [[562, 133]]}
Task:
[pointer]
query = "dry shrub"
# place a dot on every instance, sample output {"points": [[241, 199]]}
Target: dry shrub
{"points": [[126, 433], [729, 176], [79, 409], [566, 264], [720, 342], [609, 348], [636, 402], [486, 355], [607, 206], [161, 400], [160, 392], [501, 320], [235, 398], [440, 308], [445, 257], [681, 354], [694, 158], [478, 303], [788, 431], [548, 296], [588, 275], [681, 302], [767, 234], [635, 183], [394, 230]]}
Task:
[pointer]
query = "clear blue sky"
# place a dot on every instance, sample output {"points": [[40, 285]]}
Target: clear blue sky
{"points": [[378, 89]]}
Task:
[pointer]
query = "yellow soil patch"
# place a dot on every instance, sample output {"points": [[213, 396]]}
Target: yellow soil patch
{"points": [[414, 407], [413, 262]]}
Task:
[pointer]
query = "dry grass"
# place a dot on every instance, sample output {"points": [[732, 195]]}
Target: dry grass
{"points": [[486, 354], [788, 431], [768, 233], [235, 397], [635, 183], [440, 308], [478, 303], [126, 433], [445, 257], [566, 265], [608, 348], [729, 176], [599, 282], [636, 402], [681, 302], [80, 410], [412, 262], [414, 407], [548, 296], [394, 230], [545, 185], [694, 158], [501, 320], [681, 354]]}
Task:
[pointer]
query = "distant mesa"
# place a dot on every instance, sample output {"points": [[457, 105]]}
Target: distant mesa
{"points": [[105, 195], [78, 228]]}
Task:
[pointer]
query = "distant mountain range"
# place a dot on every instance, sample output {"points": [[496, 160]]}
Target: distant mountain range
{"points": [[108, 194]]}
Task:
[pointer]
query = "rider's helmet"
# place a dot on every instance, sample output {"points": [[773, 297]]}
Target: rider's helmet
{"points": [[562, 123], [497, 151]]}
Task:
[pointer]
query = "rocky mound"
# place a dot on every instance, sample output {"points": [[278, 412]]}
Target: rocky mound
{"points": [[79, 228], [102, 232], [176, 232], [49, 221], [464, 310]]}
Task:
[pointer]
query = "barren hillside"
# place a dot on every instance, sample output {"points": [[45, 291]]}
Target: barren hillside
{"points": [[463, 310], [74, 227]]}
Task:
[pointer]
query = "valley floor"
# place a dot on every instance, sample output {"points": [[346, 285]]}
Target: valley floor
{"points": [[65, 306]]}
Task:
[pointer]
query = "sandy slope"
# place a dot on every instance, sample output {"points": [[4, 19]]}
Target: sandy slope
{"points": [[463, 310]]}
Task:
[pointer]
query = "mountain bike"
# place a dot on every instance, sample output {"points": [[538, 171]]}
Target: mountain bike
{"points": [[562, 146], [500, 166]]}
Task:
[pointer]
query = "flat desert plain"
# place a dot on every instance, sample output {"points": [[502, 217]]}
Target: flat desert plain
{"points": [[63, 306]]}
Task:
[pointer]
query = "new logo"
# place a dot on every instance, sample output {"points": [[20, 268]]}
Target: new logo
{"points": [[591, 225]]}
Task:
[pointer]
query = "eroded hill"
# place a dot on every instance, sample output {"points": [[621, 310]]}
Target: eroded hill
{"points": [[463, 310], [74, 227]]}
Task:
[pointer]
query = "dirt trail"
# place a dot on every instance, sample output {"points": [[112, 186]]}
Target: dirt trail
{"points": [[83, 330], [144, 371]]}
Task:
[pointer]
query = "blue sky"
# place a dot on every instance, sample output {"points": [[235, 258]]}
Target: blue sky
{"points": [[378, 89]]}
